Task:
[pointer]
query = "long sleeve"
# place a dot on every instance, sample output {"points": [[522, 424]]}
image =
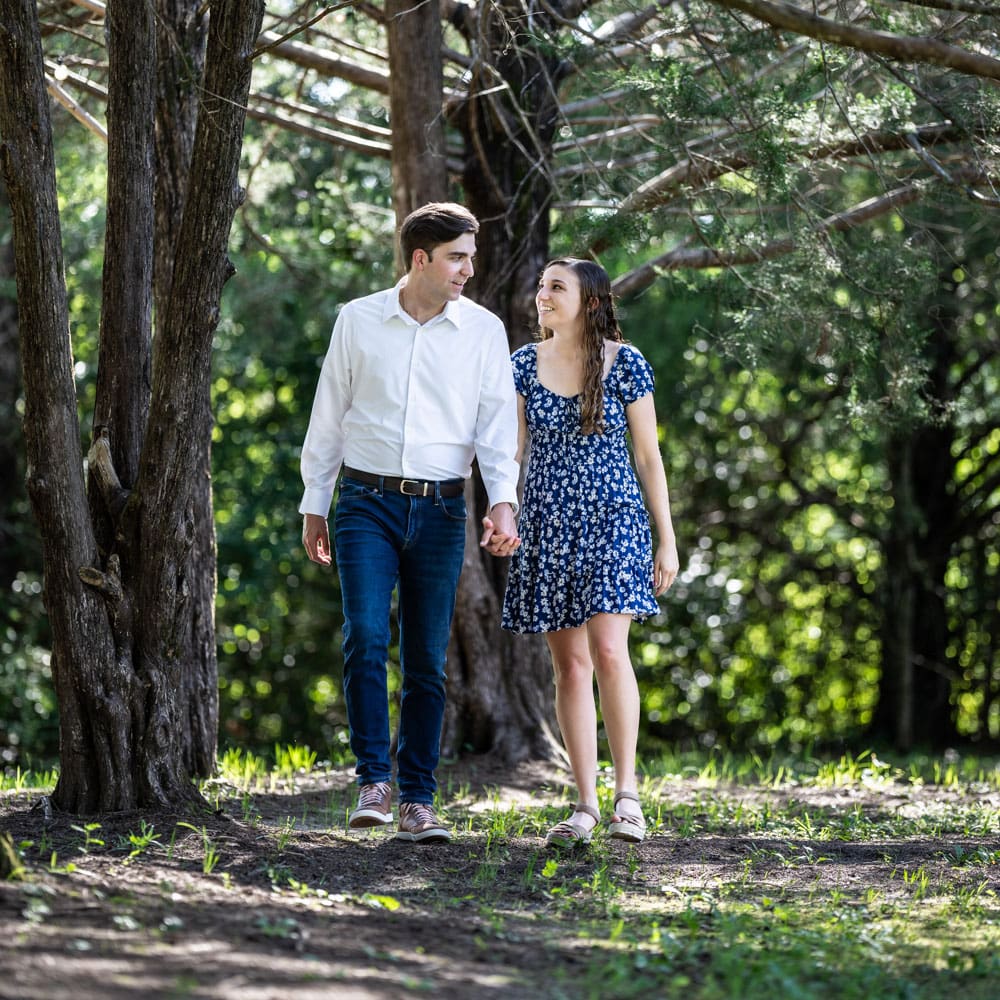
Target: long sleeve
{"points": [[323, 448], [496, 426]]}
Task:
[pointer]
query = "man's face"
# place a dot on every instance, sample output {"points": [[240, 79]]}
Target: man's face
{"points": [[442, 274]]}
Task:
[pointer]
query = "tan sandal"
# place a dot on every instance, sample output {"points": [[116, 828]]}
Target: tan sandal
{"points": [[630, 828], [570, 834]]}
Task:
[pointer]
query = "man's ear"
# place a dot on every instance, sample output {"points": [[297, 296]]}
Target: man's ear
{"points": [[419, 259]]}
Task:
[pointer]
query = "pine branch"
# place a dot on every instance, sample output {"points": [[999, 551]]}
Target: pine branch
{"points": [[703, 257], [700, 169], [906, 48], [958, 6]]}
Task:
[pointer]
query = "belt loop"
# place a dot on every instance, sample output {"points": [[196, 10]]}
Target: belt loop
{"points": [[381, 486], [437, 494]]}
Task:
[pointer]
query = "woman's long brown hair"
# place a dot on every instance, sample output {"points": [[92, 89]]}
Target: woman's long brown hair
{"points": [[600, 323]]}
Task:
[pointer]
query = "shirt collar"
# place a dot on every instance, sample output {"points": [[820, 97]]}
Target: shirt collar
{"points": [[394, 309]]}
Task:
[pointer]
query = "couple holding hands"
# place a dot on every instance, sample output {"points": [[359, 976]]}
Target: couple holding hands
{"points": [[416, 383]]}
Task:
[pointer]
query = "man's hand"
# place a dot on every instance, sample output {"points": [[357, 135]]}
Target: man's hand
{"points": [[316, 539], [500, 537]]}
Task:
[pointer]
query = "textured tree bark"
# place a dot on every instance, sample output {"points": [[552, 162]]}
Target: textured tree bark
{"points": [[915, 693], [10, 390], [499, 687], [419, 174], [83, 652], [181, 34], [174, 472], [130, 603], [501, 695]]}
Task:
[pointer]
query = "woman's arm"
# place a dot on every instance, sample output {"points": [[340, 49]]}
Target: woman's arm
{"points": [[649, 465], [522, 428]]}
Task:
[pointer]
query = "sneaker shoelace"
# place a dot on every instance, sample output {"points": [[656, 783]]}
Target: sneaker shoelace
{"points": [[420, 814], [372, 796]]}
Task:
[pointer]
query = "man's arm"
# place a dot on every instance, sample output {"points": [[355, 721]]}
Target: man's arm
{"points": [[496, 425], [323, 448]]}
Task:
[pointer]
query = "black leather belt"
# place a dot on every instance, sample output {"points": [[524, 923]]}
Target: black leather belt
{"points": [[409, 487]]}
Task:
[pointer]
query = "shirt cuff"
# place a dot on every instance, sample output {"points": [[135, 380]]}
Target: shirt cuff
{"points": [[515, 506], [316, 500]]}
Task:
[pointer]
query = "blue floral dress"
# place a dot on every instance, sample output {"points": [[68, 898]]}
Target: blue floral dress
{"points": [[586, 545]]}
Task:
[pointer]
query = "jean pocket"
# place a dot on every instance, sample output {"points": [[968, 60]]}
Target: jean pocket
{"points": [[351, 489], [454, 508]]}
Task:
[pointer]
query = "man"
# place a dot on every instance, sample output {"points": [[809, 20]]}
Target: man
{"points": [[416, 382]]}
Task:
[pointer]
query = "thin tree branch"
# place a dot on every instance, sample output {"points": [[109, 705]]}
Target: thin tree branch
{"points": [[75, 108], [959, 6], [298, 29], [329, 65], [702, 257], [370, 147], [705, 167], [373, 132], [906, 48]]}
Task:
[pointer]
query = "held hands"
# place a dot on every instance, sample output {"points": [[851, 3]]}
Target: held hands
{"points": [[500, 537], [316, 539], [665, 566]]}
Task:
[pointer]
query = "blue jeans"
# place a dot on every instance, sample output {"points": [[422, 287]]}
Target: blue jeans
{"points": [[382, 539]]}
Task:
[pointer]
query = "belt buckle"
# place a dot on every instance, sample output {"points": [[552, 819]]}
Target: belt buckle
{"points": [[420, 486]]}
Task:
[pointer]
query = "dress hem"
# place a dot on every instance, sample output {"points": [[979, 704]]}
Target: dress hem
{"points": [[637, 616]]}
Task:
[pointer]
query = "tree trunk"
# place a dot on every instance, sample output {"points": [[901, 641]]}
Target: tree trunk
{"points": [[123, 645], [182, 31], [12, 543], [501, 695], [83, 653], [419, 174], [917, 674]]}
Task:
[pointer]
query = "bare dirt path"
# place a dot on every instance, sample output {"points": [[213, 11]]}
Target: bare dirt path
{"points": [[270, 898]]}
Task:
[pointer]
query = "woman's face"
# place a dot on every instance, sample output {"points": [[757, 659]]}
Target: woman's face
{"points": [[559, 299]]}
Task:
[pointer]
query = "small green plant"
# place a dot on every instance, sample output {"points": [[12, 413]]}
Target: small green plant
{"points": [[11, 859], [28, 780], [56, 869], [285, 832], [243, 769], [90, 840], [210, 853], [918, 879], [139, 843], [293, 760], [278, 927], [968, 857]]}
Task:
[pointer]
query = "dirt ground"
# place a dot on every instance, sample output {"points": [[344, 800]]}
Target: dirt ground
{"points": [[365, 916]]}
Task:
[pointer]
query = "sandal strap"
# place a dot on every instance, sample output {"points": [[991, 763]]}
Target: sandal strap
{"points": [[570, 829], [639, 822], [631, 796], [582, 807]]}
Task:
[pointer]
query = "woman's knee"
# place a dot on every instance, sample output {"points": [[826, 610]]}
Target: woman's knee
{"points": [[572, 669], [609, 654]]}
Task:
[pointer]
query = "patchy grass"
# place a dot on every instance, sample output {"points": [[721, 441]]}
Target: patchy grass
{"points": [[761, 879]]}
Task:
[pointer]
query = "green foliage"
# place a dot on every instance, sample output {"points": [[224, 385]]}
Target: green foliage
{"points": [[785, 389], [28, 724], [316, 230]]}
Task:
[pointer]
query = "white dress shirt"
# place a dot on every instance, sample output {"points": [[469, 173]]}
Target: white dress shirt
{"points": [[397, 398]]}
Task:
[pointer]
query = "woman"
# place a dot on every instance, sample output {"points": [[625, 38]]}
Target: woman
{"points": [[586, 566]]}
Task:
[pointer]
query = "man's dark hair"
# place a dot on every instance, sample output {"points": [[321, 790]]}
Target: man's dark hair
{"points": [[433, 224]]}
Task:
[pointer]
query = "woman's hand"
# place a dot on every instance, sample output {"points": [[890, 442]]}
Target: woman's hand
{"points": [[666, 565]]}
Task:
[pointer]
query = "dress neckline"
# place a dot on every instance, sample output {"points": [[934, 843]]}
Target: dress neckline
{"points": [[575, 395]]}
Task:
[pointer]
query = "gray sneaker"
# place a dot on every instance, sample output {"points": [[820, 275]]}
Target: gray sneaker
{"points": [[419, 825], [374, 807]]}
